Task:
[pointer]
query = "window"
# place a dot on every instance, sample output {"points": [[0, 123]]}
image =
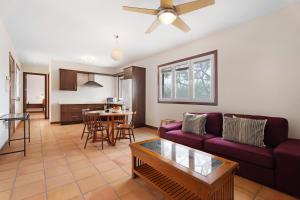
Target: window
{"points": [[167, 84], [191, 80]]}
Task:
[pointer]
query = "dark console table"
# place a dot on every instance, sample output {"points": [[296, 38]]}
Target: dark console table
{"points": [[17, 117]]}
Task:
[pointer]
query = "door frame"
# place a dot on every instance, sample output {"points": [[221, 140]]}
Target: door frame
{"points": [[46, 83], [12, 90]]}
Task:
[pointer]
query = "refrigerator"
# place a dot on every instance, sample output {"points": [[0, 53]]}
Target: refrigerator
{"points": [[125, 93]]}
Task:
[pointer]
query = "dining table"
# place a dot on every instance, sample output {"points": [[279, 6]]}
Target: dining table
{"points": [[111, 116]]}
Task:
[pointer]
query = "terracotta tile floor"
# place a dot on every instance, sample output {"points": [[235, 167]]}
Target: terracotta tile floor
{"points": [[57, 167]]}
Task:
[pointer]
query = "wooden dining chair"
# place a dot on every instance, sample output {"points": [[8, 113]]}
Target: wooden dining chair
{"points": [[94, 125], [120, 120], [122, 128], [84, 111]]}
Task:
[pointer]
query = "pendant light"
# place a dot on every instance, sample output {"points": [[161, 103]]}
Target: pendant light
{"points": [[116, 53]]}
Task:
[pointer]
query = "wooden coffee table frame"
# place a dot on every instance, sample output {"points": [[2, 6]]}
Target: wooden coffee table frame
{"points": [[177, 182]]}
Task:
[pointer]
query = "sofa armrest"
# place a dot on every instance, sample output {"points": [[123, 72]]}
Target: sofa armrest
{"points": [[290, 147], [170, 127], [287, 174]]}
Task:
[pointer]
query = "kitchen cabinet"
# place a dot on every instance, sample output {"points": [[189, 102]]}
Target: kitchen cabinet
{"points": [[67, 80], [72, 113], [134, 82], [128, 73]]}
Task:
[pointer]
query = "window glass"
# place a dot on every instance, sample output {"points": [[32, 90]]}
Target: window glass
{"points": [[182, 82], [167, 84], [202, 79]]}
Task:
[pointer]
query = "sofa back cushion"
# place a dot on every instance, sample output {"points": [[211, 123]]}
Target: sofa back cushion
{"points": [[276, 129], [214, 123]]}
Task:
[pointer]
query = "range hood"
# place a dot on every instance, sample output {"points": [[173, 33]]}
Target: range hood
{"points": [[92, 81]]}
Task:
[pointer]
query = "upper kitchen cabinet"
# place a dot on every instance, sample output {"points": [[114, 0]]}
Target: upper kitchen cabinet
{"points": [[68, 80], [128, 72]]}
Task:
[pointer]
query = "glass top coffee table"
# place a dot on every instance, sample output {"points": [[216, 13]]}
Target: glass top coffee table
{"points": [[180, 172]]}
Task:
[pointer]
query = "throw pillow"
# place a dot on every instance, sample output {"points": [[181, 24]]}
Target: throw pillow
{"points": [[194, 123], [231, 128], [252, 131]]}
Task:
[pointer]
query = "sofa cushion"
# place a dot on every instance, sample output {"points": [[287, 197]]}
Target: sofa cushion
{"points": [[187, 139], [214, 123], [276, 129], [194, 123], [232, 150]]}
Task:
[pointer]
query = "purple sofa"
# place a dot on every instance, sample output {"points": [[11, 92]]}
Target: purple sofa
{"points": [[213, 128], [287, 171], [270, 166]]}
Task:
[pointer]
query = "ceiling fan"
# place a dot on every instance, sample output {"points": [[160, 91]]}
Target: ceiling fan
{"points": [[168, 13]]}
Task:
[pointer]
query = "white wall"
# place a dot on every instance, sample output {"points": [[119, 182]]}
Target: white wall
{"points": [[35, 68], [84, 94], [259, 70], [35, 89], [6, 46]]}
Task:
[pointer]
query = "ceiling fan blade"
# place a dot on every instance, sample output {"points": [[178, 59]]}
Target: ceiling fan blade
{"points": [[179, 23], [166, 3], [191, 6], [141, 10], [153, 26]]}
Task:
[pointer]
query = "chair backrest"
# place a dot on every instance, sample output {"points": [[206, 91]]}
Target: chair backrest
{"points": [[84, 111], [133, 119], [93, 121]]}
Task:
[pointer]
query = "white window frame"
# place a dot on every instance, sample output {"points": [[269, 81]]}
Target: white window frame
{"points": [[212, 56]]}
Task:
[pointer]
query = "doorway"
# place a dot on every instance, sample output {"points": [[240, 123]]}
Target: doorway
{"points": [[35, 95]]}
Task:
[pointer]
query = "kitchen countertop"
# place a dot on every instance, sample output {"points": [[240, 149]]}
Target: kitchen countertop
{"points": [[90, 103]]}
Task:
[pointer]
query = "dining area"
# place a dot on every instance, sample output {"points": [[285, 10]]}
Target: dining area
{"points": [[109, 126]]}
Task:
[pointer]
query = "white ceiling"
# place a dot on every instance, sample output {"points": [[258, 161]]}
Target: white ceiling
{"points": [[82, 30]]}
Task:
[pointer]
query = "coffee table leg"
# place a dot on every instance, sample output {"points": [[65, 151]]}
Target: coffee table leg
{"points": [[134, 165]]}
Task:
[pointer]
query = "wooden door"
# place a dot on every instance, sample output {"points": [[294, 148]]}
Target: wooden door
{"points": [[12, 92]]}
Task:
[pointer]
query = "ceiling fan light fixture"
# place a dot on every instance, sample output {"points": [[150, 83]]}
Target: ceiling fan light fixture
{"points": [[167, 16]]}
